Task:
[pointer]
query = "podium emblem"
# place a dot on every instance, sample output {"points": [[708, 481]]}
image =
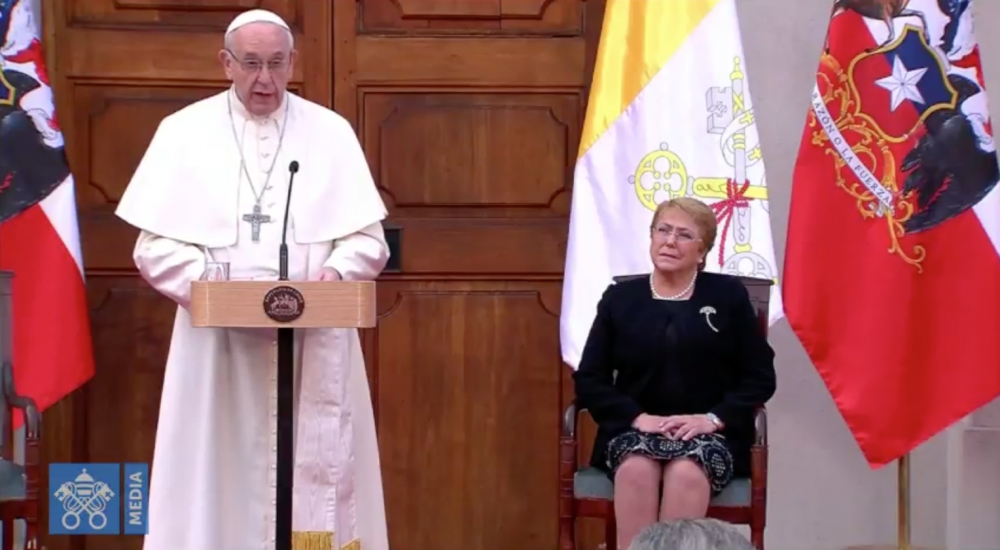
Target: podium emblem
{"points": [[284, 304]]}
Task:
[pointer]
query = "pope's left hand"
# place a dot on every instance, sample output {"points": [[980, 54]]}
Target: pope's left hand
{"points": [[329, 274], [685, 427]]}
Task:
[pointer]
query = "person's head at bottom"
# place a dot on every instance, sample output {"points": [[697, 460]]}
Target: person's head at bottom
{"points": [[690, 534]]}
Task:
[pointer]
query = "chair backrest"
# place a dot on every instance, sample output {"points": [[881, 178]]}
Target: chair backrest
{"points": [[760, 297], [6, 360], [759, 290]]}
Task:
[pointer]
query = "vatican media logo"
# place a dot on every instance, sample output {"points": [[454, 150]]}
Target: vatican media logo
{"points": [[87, 499], [90, 497]]}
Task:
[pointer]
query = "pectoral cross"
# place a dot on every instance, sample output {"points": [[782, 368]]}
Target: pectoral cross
{"points": [[255, 220]]}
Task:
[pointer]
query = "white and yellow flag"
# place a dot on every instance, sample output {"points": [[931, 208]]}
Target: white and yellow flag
{"points": [[669, 115]]}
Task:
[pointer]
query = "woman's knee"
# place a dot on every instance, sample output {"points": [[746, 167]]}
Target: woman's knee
{"points": [[638, 471], [685, 474]]}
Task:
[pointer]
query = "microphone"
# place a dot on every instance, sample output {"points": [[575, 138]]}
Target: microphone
{"points": [[293, 167]]}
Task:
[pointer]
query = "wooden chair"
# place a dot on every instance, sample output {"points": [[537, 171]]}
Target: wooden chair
{"points": [[20, 484], [587, 492]]}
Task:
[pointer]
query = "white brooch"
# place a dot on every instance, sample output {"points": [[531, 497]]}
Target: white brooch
{"points": [[706, 311]]}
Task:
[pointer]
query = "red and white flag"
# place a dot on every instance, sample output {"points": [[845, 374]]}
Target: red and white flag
{"points": [[39, 234], [892, 266]]}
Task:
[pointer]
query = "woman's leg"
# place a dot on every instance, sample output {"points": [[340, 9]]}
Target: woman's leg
{"points": [[637, 496], [686, 490]]}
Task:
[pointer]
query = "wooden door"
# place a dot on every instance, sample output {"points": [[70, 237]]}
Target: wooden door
{"points": [[470, 114]]}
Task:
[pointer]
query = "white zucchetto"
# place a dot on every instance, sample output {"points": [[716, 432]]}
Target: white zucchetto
{"points": [[256, 16]]}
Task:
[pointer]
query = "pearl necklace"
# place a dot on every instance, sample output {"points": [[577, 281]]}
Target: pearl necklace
{"points": [[675, 297]]}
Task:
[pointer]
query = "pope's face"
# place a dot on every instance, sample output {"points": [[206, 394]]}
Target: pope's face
{"points": [[259, 63]]}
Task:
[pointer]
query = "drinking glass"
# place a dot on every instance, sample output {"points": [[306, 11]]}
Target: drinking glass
{"points": [[216, 271]]}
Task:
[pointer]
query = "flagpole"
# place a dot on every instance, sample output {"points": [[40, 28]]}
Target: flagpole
{"points": [[904, 521], [903, 506]]}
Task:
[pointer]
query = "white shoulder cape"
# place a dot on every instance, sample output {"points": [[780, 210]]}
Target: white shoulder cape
{"points": [[187, 185]]}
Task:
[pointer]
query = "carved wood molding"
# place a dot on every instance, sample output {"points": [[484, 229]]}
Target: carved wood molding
{"points": [[189, 5], [472, 9]]}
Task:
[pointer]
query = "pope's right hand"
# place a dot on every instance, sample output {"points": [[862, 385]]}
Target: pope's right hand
{"points": [[649, 423], [329, 274]]}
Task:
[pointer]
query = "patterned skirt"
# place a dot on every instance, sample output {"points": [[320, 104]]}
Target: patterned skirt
{"points": [[709, 451]]}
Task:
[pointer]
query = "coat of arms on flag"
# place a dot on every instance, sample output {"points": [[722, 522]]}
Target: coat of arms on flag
{"points": [[905, 123], [893, 249], [39, 233], [32, 150]]}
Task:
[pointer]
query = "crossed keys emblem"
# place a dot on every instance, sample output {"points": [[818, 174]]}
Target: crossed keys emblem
{"points": [[84, 495]]}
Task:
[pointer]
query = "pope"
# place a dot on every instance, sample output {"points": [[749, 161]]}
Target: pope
{"points": [[211, 188]]}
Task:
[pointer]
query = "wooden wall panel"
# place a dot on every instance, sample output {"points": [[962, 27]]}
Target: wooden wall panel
{"points": [[470, 115], [472, 147], [466, 399], [132, 334], [545, 17], [175, 14], [111, 127], [496, 162], [555, 63]]}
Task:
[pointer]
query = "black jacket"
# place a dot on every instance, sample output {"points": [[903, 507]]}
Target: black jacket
{"points": [[665, 358]]}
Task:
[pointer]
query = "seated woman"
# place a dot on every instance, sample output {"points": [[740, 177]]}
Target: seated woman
{"points": [[672, 372]]}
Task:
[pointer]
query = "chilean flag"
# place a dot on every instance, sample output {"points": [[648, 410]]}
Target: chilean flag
{"points": [[39, 234], [892, 265]]}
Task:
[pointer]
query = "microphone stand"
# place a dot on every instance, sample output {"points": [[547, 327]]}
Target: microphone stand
{"points": [[286, 397]]}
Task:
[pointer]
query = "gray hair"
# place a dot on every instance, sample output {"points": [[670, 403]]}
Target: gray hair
{"points": [[691, 534], [227, 42]]}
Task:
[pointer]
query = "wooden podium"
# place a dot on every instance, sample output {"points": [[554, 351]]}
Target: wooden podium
{"points": [[284, 306], [240, 304]]}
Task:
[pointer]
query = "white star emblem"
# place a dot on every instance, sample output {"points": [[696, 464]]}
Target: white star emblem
{"points": [[902, 84]]}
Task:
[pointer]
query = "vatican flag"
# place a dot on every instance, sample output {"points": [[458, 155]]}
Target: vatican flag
{"points": [[669, 115]]}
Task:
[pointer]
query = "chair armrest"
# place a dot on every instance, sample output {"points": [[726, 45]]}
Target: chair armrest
{"points": [[572, 412], [569, 421], [760, 427], [32, 420]]}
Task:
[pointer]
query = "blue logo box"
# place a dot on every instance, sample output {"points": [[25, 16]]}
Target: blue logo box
{"points": [[88, 498]]}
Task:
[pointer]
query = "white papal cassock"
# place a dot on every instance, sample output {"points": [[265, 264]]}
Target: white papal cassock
{"points": [[213, 473]]}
